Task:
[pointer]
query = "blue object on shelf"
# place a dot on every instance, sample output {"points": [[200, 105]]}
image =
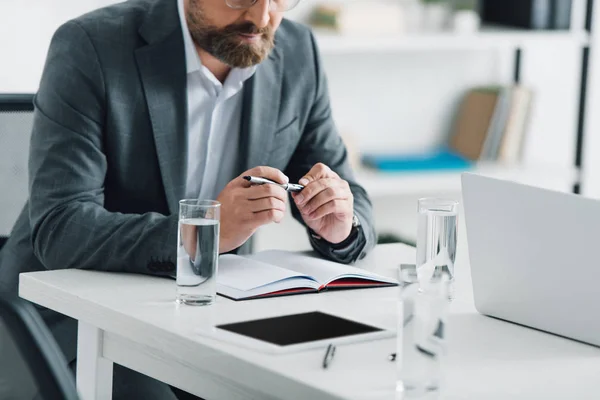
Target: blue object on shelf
{"points": [[435, 161]]}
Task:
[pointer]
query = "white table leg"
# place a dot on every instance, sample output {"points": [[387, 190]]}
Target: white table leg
{"points": [[94, 372]]}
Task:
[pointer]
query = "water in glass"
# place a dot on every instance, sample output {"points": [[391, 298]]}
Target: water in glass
{"points": [[197, 261], [436, 244], [421, 340]]}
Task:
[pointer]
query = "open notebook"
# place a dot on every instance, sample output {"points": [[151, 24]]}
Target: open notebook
{"points": [[279, 273]]}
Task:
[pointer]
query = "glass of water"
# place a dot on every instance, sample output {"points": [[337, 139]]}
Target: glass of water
{"points": [[421, 343], [198, 251], [436, 241]]}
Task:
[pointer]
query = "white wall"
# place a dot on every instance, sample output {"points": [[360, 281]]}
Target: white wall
{"points": [[26, 27], [406, 101], [554, 73]]}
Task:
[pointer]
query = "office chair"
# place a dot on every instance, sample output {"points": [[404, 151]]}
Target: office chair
{"points": [[16, 120], [32, 365]]}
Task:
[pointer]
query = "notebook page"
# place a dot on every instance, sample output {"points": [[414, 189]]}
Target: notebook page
{"points": [[244, 274], [323, 271]]}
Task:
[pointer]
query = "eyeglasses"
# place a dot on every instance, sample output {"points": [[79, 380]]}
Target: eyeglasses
{"points": [[276, 5]]}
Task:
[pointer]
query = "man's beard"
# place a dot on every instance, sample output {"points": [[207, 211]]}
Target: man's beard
{"points": [[225, 43]]}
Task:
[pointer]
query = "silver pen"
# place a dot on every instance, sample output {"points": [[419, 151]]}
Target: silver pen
{"points": [[329, 354], [289, 187]]}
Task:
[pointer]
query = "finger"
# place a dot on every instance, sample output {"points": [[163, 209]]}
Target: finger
{"points": [[268, 203], [268, 172], [264, 191], [330, 193], [268, 216], [319, 171], [188, 239], [314, 188], [331, 207]]}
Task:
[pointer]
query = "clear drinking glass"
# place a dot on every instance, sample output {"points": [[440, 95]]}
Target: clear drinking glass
{"points": [[436, 240], [421, 343], [198, 251]]}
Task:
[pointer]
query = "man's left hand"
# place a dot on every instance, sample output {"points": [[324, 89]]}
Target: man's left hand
{"points": [[326, 204]]}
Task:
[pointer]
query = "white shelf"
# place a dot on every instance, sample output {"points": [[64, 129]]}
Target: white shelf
{"points": [[381, 184], [332, 43]]}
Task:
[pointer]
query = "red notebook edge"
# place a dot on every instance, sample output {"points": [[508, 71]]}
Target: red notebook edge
{"points": [[280, 293], [340, 284], [346, 284]]}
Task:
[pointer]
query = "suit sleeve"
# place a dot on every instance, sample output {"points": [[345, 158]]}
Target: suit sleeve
{"points": [[321, 142], [67, 168]]}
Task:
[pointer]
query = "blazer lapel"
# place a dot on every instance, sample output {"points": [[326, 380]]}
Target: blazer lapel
{"points": [[163, 73], [260, 111]]}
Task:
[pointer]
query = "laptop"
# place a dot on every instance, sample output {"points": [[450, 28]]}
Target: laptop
{"points": [[535, 256]]}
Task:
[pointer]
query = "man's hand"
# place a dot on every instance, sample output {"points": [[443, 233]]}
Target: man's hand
{"points": [[326, 204], [244, 207]]}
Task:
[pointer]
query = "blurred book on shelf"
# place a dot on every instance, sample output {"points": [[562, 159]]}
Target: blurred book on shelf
{"points": [[388, 17], [490, 126], [476, 122], [492, 123], [528, 14], [375, 17], [517, 123]]}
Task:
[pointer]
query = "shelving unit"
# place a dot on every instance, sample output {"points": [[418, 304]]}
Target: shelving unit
{"points": [[487, 38], [519, 42]]}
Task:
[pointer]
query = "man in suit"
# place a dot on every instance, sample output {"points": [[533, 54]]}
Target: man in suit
{"points": [[147, 102]]}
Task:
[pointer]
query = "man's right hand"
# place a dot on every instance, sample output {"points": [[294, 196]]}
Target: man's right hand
{"points": [[246, 207]]}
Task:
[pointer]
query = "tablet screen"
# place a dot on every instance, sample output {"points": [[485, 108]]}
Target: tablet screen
{"points": [[299, 328]]}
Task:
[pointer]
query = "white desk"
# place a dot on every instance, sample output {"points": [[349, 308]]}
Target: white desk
{"points": [[133, 321]]}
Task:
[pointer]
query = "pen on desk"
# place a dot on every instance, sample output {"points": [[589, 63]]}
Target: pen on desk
{"points": [[289, 187], [329, 354]]}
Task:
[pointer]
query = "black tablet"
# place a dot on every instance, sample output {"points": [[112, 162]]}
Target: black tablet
{"points": [[298, 329]]}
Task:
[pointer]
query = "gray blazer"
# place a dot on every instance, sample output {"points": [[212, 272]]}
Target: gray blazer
{"points": [[107, 158]]}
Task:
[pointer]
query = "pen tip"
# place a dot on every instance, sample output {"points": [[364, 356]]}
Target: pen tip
{"points": [[247, 178]]}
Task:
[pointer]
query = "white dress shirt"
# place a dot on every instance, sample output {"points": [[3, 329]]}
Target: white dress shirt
{"points": [[214, 118]]}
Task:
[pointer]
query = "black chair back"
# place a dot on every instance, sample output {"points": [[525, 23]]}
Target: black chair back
{"points": [[32, 364]]}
